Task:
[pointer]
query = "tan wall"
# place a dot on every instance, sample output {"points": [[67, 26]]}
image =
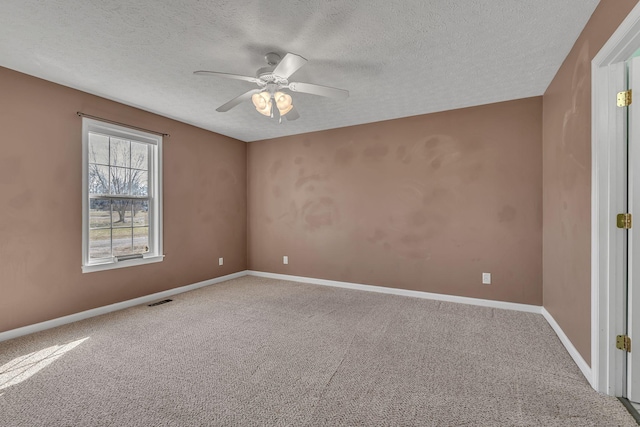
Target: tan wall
{"points": [[41, 204], [425, 203], [567, 179]]}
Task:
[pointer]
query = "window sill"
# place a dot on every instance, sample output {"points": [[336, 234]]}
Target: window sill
{"points": [[121, 264]]}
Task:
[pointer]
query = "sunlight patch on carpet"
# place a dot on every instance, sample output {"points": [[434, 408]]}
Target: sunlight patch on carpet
{"points": [[23, 367]]}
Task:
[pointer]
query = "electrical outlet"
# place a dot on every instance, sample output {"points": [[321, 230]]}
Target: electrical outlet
{"points": [[486, 278], [220, 261], [285, 259]]}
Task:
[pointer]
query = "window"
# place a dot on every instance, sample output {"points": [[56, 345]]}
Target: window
{"points": [[121, 196]]}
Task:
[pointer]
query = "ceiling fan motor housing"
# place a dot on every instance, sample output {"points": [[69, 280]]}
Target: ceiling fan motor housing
{"points": [[266, 76]]}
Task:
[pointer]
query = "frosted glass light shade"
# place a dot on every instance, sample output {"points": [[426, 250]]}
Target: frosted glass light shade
{"points": [[283, 102], [262, 102]]}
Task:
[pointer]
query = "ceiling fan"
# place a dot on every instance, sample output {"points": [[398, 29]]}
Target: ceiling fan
{"points": [[271, 80]]}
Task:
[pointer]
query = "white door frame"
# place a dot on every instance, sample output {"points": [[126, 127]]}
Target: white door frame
{"points": [[608, 198], [633, 236]]}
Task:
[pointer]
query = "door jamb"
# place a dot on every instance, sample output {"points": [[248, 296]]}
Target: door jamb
{"points": [[608, 199]]}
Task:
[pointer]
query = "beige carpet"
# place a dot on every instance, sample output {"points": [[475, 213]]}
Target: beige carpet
{"points": [[261, 352]]}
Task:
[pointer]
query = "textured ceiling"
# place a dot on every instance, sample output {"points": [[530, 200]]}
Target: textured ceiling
{"points": [[397, 58]]}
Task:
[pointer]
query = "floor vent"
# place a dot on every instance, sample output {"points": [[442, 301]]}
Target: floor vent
{"points": [[164, 301]]}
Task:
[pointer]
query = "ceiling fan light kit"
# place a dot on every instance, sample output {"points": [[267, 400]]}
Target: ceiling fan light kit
{"points": [[271, 80], [263, 102]]}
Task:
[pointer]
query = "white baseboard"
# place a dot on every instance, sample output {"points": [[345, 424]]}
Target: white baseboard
{"points": [[14, 333], [404, 292], [573, 352]]}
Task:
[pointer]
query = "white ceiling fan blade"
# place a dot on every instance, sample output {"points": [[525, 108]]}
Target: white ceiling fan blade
{"points": [[289, 65], [292, 114], [227, 75], [329, 92], [237, 100]]}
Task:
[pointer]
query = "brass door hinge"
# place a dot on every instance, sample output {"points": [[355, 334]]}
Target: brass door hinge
{"points": [[623, 342], [623, 220], [624, 98]]}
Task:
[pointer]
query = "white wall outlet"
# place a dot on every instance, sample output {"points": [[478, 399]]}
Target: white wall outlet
{"points": [[285, 259], [486, 278], [220, 261]]}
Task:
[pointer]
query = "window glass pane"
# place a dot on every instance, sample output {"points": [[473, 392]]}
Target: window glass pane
{"points": [[99, 213], [140, 240], [121, 213], [98, 179], [139, 183], [120, 180], [140, 213], [100, 243], [120, 152], [139, 156], [122, 244], [128, 214], [98, 149]]}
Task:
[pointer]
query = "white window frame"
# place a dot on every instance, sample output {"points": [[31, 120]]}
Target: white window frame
{"points": [[155, 253]]}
